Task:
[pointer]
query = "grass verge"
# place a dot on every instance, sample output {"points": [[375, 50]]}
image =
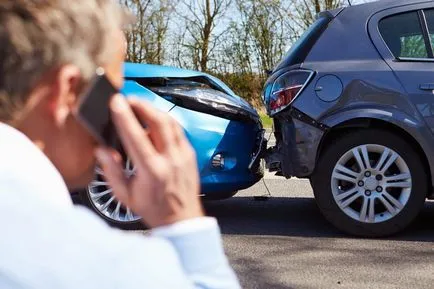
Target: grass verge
{"points": [[267, 121]]}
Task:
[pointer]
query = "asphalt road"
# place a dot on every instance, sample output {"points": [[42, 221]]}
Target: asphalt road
{"points": [[286, 243]]}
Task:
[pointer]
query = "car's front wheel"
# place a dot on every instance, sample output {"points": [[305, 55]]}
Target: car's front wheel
{"points": [[99, 197], [370, 183]]}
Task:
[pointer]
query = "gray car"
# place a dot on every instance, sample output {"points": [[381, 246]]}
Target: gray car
{"points": [[353, 109]]}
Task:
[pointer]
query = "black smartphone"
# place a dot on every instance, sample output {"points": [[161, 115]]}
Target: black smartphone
{"points": [[93, 110]]}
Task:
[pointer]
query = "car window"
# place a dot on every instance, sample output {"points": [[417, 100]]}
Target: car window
{"points": [[429, 15], [403, 35]]}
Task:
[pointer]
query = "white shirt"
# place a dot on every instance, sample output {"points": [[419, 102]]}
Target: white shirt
{"points": [[46, 242]]}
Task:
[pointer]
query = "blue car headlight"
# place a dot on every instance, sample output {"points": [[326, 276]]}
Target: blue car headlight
{"points": [[208, 100]]}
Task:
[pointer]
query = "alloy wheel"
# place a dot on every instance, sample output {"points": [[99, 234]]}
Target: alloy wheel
{"points": [[371, 183], [102, 198]]}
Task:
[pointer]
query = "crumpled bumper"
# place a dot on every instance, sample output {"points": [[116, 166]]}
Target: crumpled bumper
{"points": [[297, 141]]}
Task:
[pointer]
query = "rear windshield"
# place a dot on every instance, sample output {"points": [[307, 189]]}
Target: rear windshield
{"points": [[301, 48]]}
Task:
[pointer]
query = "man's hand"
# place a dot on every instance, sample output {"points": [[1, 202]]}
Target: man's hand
{"points": [[165, 188]]}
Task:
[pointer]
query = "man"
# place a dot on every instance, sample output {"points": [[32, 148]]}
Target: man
{"points": [[50, 49]]}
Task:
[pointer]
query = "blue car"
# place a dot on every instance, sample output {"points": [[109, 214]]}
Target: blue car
{"points": [[225, 131]]}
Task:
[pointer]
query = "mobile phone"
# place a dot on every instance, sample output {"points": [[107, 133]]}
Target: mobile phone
{"points": [[93, 110]]}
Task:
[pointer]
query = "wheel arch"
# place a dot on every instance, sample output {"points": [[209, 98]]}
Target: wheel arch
{"points": [[359, 122]]}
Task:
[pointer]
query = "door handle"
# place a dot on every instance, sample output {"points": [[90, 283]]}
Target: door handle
{"points": [[427, 86]]}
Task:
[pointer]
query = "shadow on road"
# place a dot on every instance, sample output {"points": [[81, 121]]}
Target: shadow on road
{"points": [[298, 217], [252, 275]]}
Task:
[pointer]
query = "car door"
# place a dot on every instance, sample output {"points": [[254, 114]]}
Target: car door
{"points": [[404, 37]]}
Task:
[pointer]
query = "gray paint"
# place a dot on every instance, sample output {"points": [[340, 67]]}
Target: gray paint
{"points": [[296, 148], [375, 85], [329, 88]]}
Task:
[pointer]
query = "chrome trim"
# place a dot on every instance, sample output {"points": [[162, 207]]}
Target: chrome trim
{"points": [[258, 152], [218, 161], [287, 88], [413, 59]]}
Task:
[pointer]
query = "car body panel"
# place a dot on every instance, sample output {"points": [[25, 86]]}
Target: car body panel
{"points": [[297, 145], [414, 127], [376, 86], [208, 134], [412, 75], [137, 70], [132, 70], [133, 89], [212, 135]]}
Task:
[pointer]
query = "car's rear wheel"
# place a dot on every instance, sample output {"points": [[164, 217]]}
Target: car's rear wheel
{"points": [[99, 197], [370, 183]]}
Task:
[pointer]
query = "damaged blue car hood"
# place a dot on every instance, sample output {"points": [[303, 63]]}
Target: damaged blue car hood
{"points": [[136, 70]]}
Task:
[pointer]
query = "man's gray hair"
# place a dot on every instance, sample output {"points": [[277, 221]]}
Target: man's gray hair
{"points": [[38, 36]]}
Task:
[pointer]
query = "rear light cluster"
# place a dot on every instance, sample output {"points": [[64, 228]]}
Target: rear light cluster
{"points": [[284, 97], [287, 88]]}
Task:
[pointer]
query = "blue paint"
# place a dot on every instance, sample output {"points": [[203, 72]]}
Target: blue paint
{"points": [[208, 134]]}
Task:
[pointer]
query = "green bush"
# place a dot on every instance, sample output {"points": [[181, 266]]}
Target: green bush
{"points": [[267, 121], [247, 85]]}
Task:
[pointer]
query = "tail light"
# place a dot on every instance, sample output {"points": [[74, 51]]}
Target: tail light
{"points": [[284, 97], [287, 88]]}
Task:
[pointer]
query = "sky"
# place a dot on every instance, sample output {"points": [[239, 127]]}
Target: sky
{"points": [[222, 24]]}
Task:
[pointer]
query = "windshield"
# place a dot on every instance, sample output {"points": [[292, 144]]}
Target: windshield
{"points": [[301, 48]]}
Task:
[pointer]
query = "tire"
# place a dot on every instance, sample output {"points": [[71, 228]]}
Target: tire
{"points": [[87, 198], [98, 198], [87, 202], [219, 196], [362, 210], [83, 198]]}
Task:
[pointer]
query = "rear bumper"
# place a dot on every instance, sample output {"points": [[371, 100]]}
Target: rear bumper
{"points": [[297, 141]]}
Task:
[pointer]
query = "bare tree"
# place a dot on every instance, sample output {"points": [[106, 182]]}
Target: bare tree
{"points": [[201, 19], [146, 38], [160, 24], [304, 12], [238, 40], [267, 36], [236, 53], [135, 35]]}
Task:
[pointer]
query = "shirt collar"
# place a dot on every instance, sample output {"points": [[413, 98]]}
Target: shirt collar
{"points": [[25, 171]]}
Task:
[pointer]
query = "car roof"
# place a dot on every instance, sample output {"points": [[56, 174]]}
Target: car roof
{"points": [[377, 6], [350, 28]]}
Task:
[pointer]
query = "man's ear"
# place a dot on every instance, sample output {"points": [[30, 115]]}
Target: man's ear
{"points": [[64, 92]]}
